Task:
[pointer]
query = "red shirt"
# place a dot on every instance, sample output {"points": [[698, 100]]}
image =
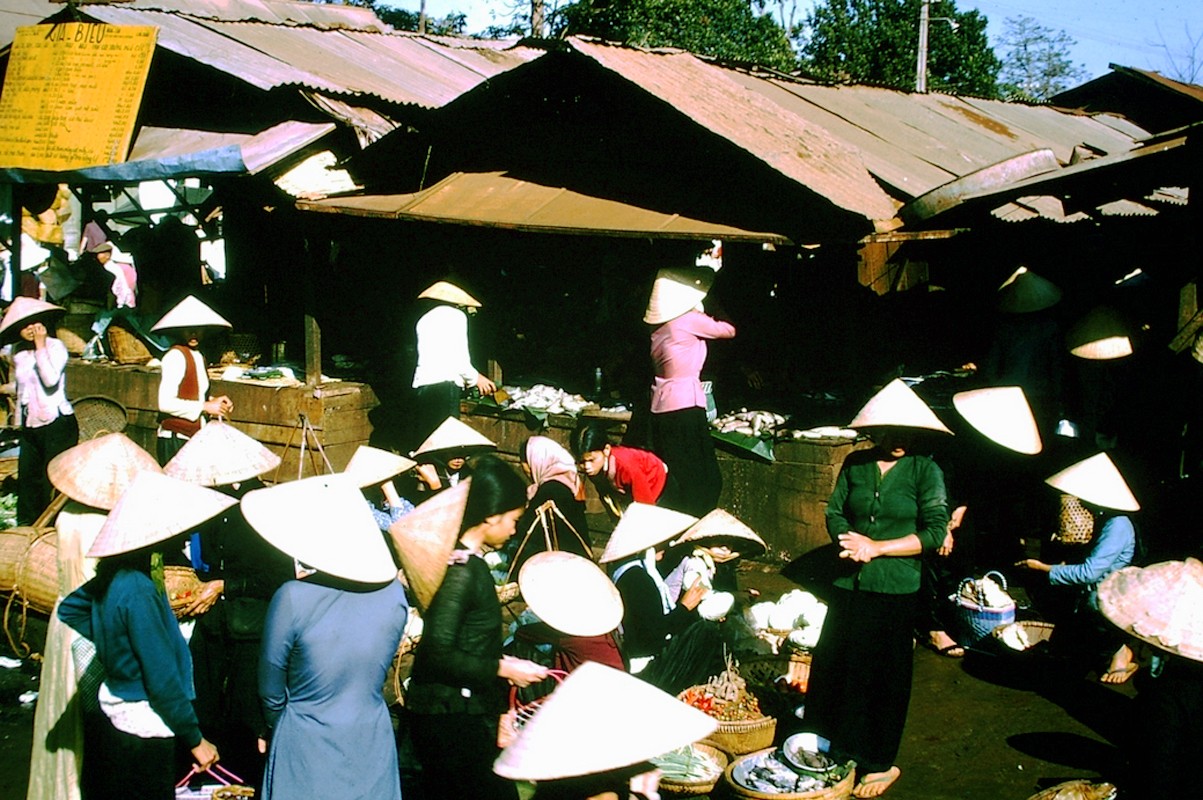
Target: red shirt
{"points": [[638, 473]]}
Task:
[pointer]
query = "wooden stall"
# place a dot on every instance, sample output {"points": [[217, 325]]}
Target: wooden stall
{"points": [[337, 411], [784, 500]]}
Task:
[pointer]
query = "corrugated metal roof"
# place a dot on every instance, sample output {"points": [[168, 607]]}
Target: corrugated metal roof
{"points": [[19, 13], [494, 200], [793, 145], [398, 67]]}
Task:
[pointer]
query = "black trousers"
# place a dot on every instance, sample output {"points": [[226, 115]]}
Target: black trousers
{"points": [[1169, 732], [860, 677], [167, 446], [682, 439], [433, 404], [38, 447], [456, 752], [127, 767]]}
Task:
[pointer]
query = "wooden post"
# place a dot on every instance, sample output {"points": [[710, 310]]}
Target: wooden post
{"points": [[313, 351]]}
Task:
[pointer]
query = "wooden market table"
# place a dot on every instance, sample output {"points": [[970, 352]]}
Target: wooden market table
{"points": [[267, 411], [784, 500]]}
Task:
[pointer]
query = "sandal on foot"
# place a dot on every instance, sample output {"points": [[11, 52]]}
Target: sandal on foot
{"points": [[877, 785], [1118, 676]]}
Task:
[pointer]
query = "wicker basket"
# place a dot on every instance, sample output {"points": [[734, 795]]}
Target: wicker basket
{"points": [[37, 573], [507, 592], [978, 621], [124, 347], [766, 671], [75, 331], [1076, 523], [181, 584], [99, 415], [841, 791], [744, 736], [675, 788], [1035, 631], [1076, 788]]}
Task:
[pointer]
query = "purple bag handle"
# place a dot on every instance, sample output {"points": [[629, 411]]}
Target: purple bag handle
{"points": [[216, 770]]}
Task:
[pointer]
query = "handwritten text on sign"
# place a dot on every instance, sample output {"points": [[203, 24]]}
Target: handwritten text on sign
{"points": [[72, 93]]}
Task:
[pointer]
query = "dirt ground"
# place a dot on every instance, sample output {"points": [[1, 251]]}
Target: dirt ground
{"points": [[988, 727]]}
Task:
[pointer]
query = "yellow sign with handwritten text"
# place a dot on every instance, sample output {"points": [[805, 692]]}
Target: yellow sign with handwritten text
{"points": [[72, 93]]}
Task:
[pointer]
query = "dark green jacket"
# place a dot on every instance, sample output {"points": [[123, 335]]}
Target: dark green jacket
{"points": [[909, 499]]}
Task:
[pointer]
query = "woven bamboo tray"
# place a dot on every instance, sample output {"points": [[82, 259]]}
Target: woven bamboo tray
{"points": [[841, 791], [675, 788]]}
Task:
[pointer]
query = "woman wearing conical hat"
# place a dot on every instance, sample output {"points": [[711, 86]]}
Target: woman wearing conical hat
{"points": [[146, 697], [1082, 634], [44, 415], [184, 400], [888, 507], [444, 367], [680, 430]]}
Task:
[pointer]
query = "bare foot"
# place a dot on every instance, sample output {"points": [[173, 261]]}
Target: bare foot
{"points": [[875, 784]]}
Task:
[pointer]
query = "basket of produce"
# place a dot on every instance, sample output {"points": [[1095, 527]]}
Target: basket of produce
{"points": [[742, 726], [182, 585], [1022, 636], [791, 624], [691, 771], [768, 775], [982, 605], [1077, 790]]}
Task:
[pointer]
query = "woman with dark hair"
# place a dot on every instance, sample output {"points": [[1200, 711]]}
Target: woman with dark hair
{"points": [[459, 680], [555, 513], [328, 641], [622, 475], [146, 697], [44, 415]]}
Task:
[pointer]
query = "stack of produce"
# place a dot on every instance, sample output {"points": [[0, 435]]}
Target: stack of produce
{"points": [[743, 727], [749, 423], [793, 622], [546, 399], [690, 770]]}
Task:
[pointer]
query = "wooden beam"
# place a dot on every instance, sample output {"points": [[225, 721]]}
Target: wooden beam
{"points": [[313, 351]]}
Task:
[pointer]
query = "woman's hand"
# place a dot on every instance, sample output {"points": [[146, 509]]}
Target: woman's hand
{"points": [[693, 595], [206, 596], [946, 546], [204, 755], [857, 547], [486, 386], [1032, 563], [520, 672], [219, 406]]}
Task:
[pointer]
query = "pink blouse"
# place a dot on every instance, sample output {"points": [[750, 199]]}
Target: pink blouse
{"points": [[679, 351]]}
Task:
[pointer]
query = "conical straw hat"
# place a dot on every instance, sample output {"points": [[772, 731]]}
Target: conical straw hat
{"points": [[720, 524], [897, 406], [453, 434], [97, 472], [371, 466], [325, 523], [570, 593], [1161, 604], [1097, 481], [24, 311], [1025, 291], [1002, 415], [643, 526], [577, 732], [219, 454], [425, 537], [675, 291], [449, 293], [191, 313], [1101, 335], [153, 509]]}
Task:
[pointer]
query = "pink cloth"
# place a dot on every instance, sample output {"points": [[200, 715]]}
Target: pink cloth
{"points": [[41, 382], [679, 351], [548, 461]]}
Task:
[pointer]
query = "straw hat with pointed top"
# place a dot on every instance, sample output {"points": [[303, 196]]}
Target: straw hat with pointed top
{"points": [[1103, 334], [425, 537], [97, 472], [676, 291], [897, 406], [569, 736], [1161, 604], [449, 293], [1002, 415], [25, 311], [724, 526], [1025, 291], [643, 526], [371, 466], [453, 435], [191, 313], [153, 509], [324, 523], [219, 454], [1097, 481], [570, 593]]}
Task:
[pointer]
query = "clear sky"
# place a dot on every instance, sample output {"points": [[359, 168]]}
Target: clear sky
{"points": [[1127, 32]]}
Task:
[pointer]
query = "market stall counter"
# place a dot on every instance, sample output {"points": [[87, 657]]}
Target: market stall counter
{"points": [[269, 411], [783, 500]]}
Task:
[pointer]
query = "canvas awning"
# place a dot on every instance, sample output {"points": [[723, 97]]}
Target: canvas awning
{"points": [[495, 200], [160, 153]]}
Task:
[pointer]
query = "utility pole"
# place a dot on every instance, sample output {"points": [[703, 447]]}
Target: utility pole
{"points": [[536, 19], [921, 66]]}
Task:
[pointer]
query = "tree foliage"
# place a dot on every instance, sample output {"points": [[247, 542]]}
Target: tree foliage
{"points": [[1036, 62], [877, 41], [727, 29]]}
